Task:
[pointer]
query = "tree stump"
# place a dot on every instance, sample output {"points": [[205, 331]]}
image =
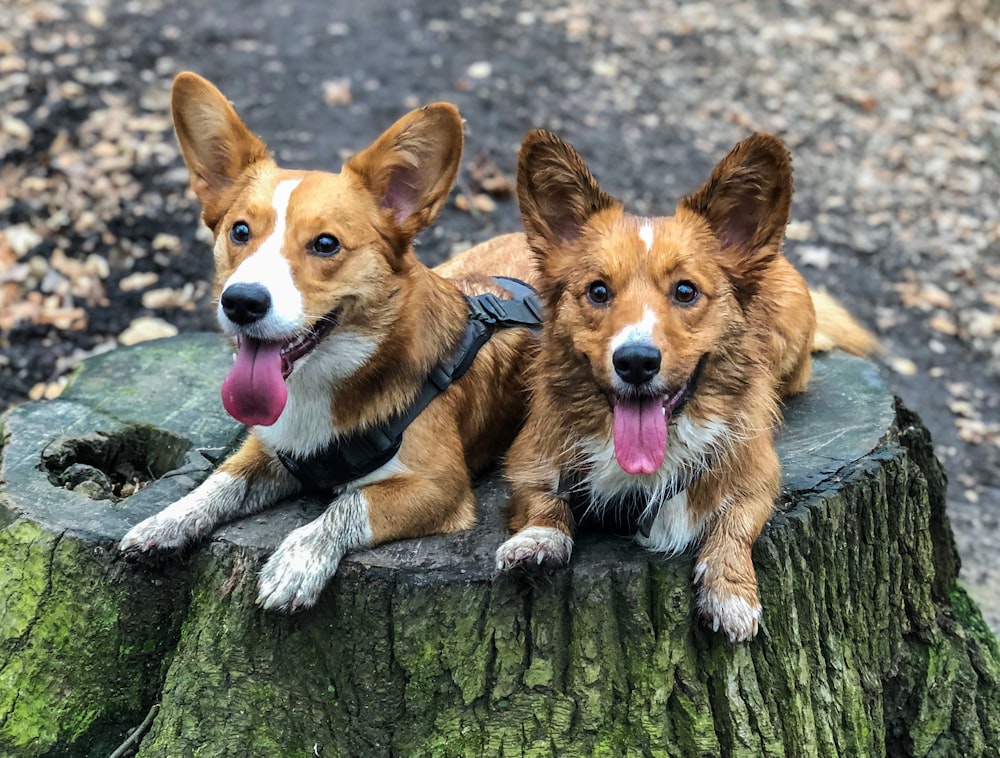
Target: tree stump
{"points": [[869, 647]]}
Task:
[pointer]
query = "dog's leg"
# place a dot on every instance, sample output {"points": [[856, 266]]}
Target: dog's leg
{"points": [[724, 573], [543, 536], [398, 507], [542, 523], [308, 557], [798, 378], [246, 483]]}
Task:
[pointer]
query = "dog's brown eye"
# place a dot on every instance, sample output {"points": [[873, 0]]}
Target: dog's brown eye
{"points": [[325, 245], [685, 292], [598, 293], [239, 233]]}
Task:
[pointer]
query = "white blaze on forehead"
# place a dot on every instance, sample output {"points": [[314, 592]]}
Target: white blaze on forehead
{"points": [[269, 268], [646, 234], [641, 331]]}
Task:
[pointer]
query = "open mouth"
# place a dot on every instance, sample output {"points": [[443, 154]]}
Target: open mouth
{"points": [[254, 391], [305, 342], [639, 427]]}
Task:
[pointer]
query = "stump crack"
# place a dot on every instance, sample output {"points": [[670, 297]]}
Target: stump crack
{"points": [[13, 707], [17, 643]]}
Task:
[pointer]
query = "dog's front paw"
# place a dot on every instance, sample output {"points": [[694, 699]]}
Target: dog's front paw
{"points": [[160, 533], [736, 614], [534, 547], [294, 576], [219, 498]]}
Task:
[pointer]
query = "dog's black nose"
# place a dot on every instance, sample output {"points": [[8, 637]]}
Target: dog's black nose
{"points": [[636, 364], [245, 303]]}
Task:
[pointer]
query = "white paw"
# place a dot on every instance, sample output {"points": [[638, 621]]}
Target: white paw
{"points": [[294, 576], [533, 547], [193, 516], [171, 529], [727, 612]]}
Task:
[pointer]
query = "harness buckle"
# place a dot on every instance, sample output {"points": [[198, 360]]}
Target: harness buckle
{"points": [[487, 308]]}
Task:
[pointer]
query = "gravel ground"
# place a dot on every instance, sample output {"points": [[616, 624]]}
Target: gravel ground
{"points": [[892, 111]]}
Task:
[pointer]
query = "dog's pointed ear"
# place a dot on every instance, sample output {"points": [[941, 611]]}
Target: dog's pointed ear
{"points": [[412, 167], [746, 202], [217, 146], [556, 192]]}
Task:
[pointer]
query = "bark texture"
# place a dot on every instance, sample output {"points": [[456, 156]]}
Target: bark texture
{"points": [[869, 646]]}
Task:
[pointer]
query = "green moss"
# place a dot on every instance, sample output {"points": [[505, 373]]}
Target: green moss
{"points": [[539, 673], [24, 575], [73, 677], [968, 616]]}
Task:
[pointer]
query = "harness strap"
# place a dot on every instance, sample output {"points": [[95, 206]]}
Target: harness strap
{"points": [[349, 458]]}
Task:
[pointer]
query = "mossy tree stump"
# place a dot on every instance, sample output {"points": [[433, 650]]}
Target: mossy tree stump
{"points": [[868, 647]]}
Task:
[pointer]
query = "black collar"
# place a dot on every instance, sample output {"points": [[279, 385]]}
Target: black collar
{"points": [[349, 458]]}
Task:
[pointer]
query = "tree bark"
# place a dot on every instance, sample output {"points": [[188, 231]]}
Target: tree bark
{"points": [[869, 647]]}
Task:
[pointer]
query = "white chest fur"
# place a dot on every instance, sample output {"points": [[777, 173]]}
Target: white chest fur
{"points": [[690, 451], [306, 425]]}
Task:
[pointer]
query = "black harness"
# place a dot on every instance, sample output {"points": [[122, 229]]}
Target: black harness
{"points": [[633, 512], [356, 455]]}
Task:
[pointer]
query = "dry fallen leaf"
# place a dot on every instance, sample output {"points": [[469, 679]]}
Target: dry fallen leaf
{"points": [[166, 297], [169, 242], [923, 296], [146, 328], [944, 325], [963, 408], [486, 176], [903, 366], [138, 281], [980, 323], [48, 390], [337, 92]]}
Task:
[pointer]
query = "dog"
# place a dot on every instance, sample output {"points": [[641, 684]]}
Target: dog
{"points": [[668, 345], [347, 348]]}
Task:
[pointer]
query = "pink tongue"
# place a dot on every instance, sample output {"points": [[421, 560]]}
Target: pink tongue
{"points": [[254, 392], [640, 431]]}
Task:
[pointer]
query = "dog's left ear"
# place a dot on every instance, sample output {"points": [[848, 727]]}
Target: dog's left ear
{"points": [[412, 167], [746, 202], [556, 192]]}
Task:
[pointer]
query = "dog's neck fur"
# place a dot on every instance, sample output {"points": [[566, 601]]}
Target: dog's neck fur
{"points": [[428, 321]]}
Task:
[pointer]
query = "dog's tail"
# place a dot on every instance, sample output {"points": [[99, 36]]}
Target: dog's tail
{"points": [[835, 327]]}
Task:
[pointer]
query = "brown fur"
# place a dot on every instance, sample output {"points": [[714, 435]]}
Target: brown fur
{"points": [[751, 328], [414, 316], [473, 424]]}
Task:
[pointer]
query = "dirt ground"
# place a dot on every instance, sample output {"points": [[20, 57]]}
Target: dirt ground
{"points": [[892, 112]]}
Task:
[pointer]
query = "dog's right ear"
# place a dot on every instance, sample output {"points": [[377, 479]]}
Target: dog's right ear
{"points": [[217, 146], [556, 192], [412, 167], [746, 202]]}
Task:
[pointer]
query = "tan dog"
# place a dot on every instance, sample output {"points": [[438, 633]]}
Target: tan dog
{"points": [[338, 329], [668, 344]]}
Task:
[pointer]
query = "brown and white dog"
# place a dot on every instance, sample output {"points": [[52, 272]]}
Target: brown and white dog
{"points": [[336, 327], [667, 346]]}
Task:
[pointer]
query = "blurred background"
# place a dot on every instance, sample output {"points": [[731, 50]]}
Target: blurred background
{"points": [[891, 110]]}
